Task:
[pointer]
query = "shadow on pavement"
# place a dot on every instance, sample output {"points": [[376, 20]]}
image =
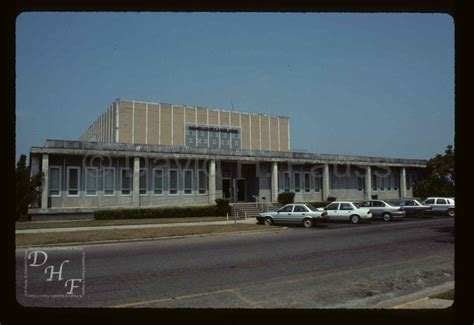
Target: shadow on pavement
{"points": [[448, 232]]}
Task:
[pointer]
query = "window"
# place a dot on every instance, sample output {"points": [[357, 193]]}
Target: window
{"points": [[333, 206], [307, 182], [92, 181], [389, 182], [430, 201], [297, 182], [378, 204], [381, 182], [286, 181], [311, 207], [173, 182], [317, 182], [408, 181], [202, 184], [158, 181], [109, 181], [345, 206], [188, 181], [300, 208], [54, 181], [143, 180], [374, 182], [73, 177], [396, 181], [360, 183], [287, 208], [125, 181], [410, 203], [365, 204], [441, 201]]}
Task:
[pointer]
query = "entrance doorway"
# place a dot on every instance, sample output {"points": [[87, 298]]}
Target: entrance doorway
{"points": [[226, 188], [240, 186]]}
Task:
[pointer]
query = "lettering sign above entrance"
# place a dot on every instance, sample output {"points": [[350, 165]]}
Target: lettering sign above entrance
{"points": [[204, 136]]}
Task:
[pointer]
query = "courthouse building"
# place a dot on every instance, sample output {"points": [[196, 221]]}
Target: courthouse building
{"points": [[139, 154]]}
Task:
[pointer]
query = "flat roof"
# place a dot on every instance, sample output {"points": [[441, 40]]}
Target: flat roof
{"points": [[73, 147], [198, 107]]}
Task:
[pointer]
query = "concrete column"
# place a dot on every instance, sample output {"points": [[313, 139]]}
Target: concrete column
{"points": [[34, 170], [136, 183], [274, 181], [368, 183], [403, 183], [212, 182], [326, 191], [45, 184], [34, 165]]}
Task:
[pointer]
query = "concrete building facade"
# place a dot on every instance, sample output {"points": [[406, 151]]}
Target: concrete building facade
{"points": [[130, 121], [140, 154]]}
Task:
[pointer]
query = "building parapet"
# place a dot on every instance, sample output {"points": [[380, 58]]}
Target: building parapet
{"points": [[71, 147]]}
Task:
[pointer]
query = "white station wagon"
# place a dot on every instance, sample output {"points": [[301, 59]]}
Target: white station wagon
{"points": [[441, 204], [349, 211]]}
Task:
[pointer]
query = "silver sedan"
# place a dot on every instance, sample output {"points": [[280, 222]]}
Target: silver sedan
{"points": [[384, 210], [305, 214]]}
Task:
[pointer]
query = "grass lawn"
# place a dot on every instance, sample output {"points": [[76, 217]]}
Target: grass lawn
{"points": [[97, 235], [449, 295], [93, 223]]}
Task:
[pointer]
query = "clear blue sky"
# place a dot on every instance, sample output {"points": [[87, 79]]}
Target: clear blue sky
{"points": [[363, 84]]}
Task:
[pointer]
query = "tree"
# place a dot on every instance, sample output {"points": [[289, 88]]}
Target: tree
{"points": [[440, 176], [25, 187]]}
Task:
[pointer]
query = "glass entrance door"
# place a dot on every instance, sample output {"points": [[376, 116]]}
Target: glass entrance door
{"points": [[240, 189], [226, 188]]}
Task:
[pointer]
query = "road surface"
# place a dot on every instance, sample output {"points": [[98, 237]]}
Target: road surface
{"points": [[331, 265]]}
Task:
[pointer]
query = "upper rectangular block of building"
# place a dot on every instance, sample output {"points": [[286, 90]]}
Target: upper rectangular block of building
{"points": [[138, 122]]}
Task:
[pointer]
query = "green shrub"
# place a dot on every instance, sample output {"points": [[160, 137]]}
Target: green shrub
{"points": [[286, 197], [165, 212], [331, 198], [223, 206]]}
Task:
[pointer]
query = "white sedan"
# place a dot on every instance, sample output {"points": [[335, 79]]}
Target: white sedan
{"points": [[306, 214], [344, 210]]}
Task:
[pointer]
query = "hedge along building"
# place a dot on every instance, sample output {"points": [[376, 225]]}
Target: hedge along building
{"points": [[139, 154]]}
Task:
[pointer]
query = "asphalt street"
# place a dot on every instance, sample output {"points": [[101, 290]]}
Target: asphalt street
{"points": [[333, 265]]}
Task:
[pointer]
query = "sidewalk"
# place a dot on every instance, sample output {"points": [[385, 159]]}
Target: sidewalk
{"points": [[420, 299], [426, 303], [164, 225]]}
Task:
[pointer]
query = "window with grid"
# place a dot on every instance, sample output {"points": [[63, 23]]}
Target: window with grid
{"points": [[73, 177]]}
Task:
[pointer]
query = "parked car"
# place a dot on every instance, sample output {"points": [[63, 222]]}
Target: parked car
{"points": [[382, 209], [413, 207], [306, 214], [342, 210], [441, 204]]}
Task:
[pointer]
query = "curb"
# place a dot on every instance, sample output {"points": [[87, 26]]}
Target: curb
{"points": [[419, 296], [152, 238], [133, 226]]}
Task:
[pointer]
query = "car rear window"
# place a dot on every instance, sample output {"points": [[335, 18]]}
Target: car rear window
{"points": [[311, 207]]}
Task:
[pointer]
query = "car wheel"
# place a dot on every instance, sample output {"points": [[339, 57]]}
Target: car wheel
{"points": [[268, 221], [307, 223], [451, 212], [420, 214], [386, 216], [354, 219]]}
